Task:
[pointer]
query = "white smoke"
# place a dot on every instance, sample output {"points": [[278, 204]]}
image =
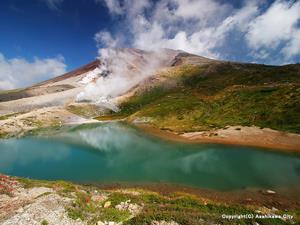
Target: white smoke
{"points": [[119, 71], [91, 76]]}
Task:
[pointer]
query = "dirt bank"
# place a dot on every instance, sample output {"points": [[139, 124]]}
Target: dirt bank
{"points": [[234, 135]]}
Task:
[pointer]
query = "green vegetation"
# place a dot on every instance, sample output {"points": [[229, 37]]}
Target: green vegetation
{"points": [[219, 95], [92, 211], [187, 209], [8, 95], [180, 207], [86, 110], [7, 116], [3, 134], [111, 117], [34, 122], [44, 222]]}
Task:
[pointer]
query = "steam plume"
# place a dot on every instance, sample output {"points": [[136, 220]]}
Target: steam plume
{"points": [[118, 72]]}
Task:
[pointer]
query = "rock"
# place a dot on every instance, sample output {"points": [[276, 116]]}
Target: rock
{"points": [[49, 207], [20, 210], [107, 204], [270, 192], [98, 198], [133, 208], [108, 223], [143, 120], [38, 191]]}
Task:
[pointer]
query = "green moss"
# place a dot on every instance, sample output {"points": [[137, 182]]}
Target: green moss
{"points": [[29, 183], [112, 214], [7, 116], [86, 110], [44, 222]]}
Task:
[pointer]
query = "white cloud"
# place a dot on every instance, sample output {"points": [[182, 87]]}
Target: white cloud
{"points": [[293, 46], [277, 25], [53, 4], [114, 6], [105, 37], [203, 26], [196, 26], [19, 72]]}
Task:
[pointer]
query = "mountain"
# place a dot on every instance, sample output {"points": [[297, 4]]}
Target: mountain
{"points": [[181, 93], [193, 97]]}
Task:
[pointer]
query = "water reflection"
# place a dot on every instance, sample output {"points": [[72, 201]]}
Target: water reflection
{"points": [[26, 151], [116, 152]]}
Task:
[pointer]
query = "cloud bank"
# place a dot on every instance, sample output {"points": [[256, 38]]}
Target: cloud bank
{"points": [[207, 27], [18, 72]]}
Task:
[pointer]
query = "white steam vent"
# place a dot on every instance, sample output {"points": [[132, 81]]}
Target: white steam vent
{"points": [[119, 71], [91, 76]]}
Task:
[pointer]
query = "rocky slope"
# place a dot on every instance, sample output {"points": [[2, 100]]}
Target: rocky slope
{"points": [[24, 201]]}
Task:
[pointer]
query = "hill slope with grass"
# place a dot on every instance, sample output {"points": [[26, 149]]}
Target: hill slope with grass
{"points": [[189, 97], [27, 201]]}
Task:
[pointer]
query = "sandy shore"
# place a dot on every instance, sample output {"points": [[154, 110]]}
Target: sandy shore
{"points": [[234, 135]]}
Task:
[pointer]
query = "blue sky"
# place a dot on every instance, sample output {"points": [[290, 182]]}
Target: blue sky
{"points": [[32, 28], [40, 39]]}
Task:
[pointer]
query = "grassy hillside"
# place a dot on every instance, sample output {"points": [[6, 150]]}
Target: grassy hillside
{"points": [[221, 94], [87, 204]]}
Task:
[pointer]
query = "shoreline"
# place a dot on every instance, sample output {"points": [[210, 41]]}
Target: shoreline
{"points": [[281, 197], [234, 135]]}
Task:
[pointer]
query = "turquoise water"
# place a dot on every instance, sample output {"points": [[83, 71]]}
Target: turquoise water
{"points": [[115, 152]]}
